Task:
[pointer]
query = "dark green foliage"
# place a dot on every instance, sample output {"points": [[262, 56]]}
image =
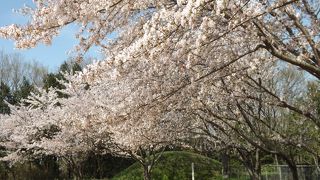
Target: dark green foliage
{"points": [[24, 90], [5, 96], [52, 79], [71, 67], [49, 167], [176, 165], [104, 166], [45, 169]]}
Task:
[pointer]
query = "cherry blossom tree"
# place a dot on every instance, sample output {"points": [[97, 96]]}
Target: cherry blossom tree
{"points": [[263, 113], [219, 31], [164, 60], [108, 113]]}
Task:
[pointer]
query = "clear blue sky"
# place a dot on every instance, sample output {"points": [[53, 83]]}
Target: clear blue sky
{"points": [[50, 56]]}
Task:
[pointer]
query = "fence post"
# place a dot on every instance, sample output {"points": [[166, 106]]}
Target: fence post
{"points": [[279, 168]]}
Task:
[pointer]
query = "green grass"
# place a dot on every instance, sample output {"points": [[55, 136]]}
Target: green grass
{"points": [[176, 165]]}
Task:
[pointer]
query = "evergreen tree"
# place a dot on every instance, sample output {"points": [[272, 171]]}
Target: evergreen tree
{"points": [[24, 90], [5, 96], [52, 79]]}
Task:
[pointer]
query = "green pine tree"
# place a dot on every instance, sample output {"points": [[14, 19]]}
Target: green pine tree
{"points": [[24, 90], [5, 96]]}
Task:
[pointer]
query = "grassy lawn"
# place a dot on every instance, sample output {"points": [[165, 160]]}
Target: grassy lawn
{"points": [[176, 165]]}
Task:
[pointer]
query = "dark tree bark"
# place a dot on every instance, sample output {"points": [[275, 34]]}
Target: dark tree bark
{"points": [[146, 172], [225, 160], [294, 171], [251, 160], [292, 166]]}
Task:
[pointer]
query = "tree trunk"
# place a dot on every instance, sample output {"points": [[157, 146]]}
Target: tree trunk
{"points": [[146, 172], [294, 171], [225, 165], [251, 161], [78, 172], [69, 171], [257, 165], [77, 175], [254, 175], [292, 166]]}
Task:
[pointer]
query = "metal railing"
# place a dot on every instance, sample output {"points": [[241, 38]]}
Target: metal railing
{"points": [[282, 172]]}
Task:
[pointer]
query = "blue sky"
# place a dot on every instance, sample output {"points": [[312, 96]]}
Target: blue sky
{"points": [[50, 56]]}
